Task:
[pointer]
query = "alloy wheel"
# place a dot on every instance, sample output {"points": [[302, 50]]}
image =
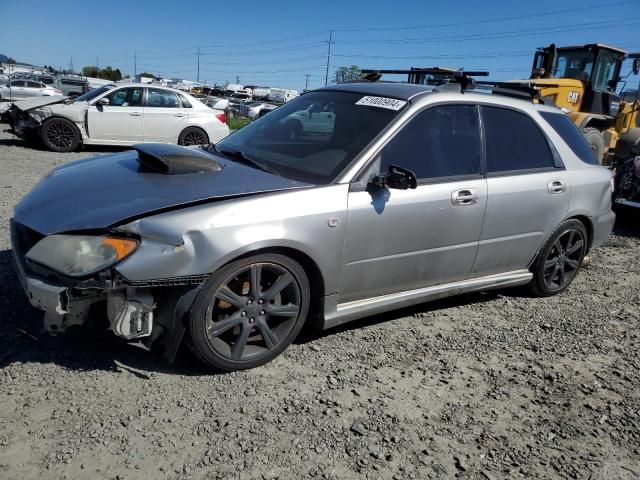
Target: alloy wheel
{"points": [[60, 135], [253, 311], [194, 137], [563, 259]]}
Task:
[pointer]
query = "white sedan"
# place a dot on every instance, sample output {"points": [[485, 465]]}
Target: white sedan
{"points": [[19, 89], [119, 115]]}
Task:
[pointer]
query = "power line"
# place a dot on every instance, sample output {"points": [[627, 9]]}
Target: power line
{"points": [[491, 20], [495, 35]]}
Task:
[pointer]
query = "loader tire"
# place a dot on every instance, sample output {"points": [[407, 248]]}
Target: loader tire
{"points": [[596, 142]]}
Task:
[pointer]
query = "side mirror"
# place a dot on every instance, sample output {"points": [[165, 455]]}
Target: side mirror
{"points": [[635, 67], [398, 178], [102, 101]]}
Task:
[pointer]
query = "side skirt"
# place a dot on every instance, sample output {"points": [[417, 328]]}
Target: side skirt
{"points": [[339, 313]]}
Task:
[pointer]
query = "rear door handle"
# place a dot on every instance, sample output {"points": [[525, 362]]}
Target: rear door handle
{"points": [[135, 114], [179, 115], [466, 196], [556, 186]]}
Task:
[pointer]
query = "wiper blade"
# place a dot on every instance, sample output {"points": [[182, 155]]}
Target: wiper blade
{"points": [[247, 160]]}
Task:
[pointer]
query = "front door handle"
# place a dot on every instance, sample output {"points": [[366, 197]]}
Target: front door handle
{"points": [[179, 115], [466, 196], [135, 114], [556, 186]]}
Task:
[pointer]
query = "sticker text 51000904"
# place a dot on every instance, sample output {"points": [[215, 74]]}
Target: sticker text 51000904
{"points": [[382, 102]]}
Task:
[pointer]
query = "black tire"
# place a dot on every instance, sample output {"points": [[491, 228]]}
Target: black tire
{"points": [[293, 130], [60, 135], [596, 142], [193, 136], [559, 260], [235, 326]]}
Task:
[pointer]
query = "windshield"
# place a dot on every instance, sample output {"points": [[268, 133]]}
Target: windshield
{"points": [[91, 94], [576, 64], [312, 138]]}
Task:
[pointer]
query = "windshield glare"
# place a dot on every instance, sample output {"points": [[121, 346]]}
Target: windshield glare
{"points": [[91, 94], [313, 137]]}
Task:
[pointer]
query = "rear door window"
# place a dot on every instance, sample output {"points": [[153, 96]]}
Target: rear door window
{"points": [[439, 142], [34, 85], [564, 127], [514, 142], [161, 98]]}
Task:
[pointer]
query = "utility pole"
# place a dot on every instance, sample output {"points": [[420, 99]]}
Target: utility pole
{"points": [[237, 80], [198, 76], [135, 64], [306, 83], [97, 67], [326, 75], [71, 65]]}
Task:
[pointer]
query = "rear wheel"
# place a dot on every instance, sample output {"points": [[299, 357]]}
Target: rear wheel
{"points": [[60, 135], [193, 136], [560, 259], [596, 142], [249, 312]]}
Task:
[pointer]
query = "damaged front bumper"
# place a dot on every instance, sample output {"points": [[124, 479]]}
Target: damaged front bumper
{"points": [[129, 311], [147, 313]]}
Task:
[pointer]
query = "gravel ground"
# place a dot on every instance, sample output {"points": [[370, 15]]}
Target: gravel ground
{"points": [[484, 386]]}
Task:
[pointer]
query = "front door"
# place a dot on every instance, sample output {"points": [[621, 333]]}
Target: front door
{"points": [[120, 120], [399, 240], [528, 190]]}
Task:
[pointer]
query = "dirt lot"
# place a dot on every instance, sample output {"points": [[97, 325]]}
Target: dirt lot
{"points": [[485, 386]]}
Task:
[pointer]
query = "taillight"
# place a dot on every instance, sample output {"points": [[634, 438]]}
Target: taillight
{"points": [[222, 117]]}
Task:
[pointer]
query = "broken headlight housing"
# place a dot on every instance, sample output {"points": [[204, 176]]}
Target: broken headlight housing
{"points": [[80, 255]]}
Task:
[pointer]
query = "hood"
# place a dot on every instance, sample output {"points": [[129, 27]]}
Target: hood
{"points": [[36, 102], [103, 191]]}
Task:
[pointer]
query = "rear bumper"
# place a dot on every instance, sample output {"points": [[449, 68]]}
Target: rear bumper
{"points": [[602, 227]]}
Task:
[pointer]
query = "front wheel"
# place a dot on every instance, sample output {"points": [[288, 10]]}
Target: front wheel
{"points": [[559, 260], [249, 312], [60, 135]]}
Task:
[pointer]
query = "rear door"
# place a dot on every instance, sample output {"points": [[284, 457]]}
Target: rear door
{"points": [[528, 191], [164, 116], [119, 121], [399, 240]]}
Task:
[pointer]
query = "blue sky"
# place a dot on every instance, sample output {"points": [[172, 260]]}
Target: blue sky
{"points": [[277, 43]]}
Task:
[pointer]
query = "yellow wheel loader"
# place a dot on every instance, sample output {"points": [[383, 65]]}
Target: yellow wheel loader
{"points": [[584, 80]]}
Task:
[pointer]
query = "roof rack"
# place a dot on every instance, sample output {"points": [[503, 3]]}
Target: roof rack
{"points": [[442, 76], [522, 90]]}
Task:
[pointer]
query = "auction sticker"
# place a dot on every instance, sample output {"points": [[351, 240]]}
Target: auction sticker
{"points": [[382, 102]]}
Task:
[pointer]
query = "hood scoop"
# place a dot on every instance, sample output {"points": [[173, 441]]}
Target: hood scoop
{"points": [[169, 159]]}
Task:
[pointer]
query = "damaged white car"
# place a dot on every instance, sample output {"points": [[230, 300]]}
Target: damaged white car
{"points": [[118, 115]]}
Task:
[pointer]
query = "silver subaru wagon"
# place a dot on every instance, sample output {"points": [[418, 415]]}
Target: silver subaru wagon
{"points": [[348, 201]]}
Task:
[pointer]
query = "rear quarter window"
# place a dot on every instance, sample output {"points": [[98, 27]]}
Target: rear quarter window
{"points": [[564, 127]]}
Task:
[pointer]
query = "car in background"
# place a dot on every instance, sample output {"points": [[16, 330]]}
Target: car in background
{"points": [[252, 110], [216, 103], [70, 85], [266, 109], [314, 119], [19, 89], [119, 115]]}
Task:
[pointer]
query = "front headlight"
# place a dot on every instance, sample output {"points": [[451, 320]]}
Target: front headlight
{"points": [[79, 255]]}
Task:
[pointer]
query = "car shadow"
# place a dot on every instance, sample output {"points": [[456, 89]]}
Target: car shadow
{"points": [[627, 222], [310, 334], [36, 144]]}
